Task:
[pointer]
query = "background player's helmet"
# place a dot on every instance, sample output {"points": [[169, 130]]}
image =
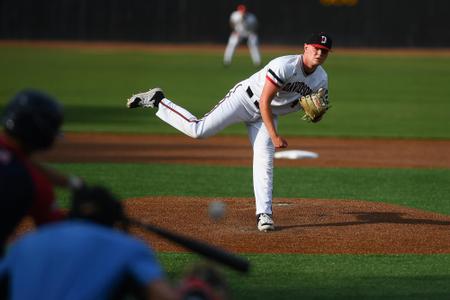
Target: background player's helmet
{"points": [[242, 8], [34, 119]]}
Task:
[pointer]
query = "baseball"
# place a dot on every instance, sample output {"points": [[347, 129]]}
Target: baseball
{"points": [[216, 210]]}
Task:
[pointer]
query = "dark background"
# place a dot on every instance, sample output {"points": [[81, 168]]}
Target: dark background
{"points": [[352, 23]]}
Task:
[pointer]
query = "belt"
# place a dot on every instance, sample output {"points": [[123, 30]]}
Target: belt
{"points": [[250, 95]]}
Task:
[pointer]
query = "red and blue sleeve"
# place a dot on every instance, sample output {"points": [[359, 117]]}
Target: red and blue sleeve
{"points": [[44, 208]]}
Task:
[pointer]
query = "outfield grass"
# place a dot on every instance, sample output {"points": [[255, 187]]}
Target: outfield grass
{"points": [[334, 276], [372, 96], [376, 96]]}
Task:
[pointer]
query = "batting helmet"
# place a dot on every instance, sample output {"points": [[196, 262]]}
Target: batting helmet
{"points": [[97, 204], [34, 118]]}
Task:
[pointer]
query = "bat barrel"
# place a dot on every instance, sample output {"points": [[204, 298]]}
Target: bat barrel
{"points": [[212, 252]]}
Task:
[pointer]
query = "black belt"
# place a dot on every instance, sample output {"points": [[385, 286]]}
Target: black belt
{"points": [[250, 95]]}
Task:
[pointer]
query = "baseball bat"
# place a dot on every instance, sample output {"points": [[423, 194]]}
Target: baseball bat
{"points": [[209, 251]]}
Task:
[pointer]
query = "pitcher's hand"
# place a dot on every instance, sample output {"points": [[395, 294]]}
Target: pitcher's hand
{"points": [[279, 142]]}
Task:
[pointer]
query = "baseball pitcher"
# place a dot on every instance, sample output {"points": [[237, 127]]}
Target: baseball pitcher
{"points": [[287, 84]]}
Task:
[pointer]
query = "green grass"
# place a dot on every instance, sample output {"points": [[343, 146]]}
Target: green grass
{"points": [[334, 276], [427, 189], [374, 96]]}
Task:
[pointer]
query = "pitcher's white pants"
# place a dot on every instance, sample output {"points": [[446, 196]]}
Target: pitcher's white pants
{"points": [[234, 40], [234, 108]]}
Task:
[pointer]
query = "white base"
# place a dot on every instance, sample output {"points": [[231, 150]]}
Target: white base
{"points": [[295, 154]]}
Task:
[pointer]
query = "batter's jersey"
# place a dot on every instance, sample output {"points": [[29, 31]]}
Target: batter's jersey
{"points": [[287, 73], [77, 260], [24, 190]]}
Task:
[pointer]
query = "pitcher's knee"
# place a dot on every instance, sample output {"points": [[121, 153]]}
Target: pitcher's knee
{"points": [[202, 134], [198, 135], [264, 153]]}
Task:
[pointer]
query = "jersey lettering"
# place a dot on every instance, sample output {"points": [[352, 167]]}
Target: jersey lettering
{"points": [[297, 87]]}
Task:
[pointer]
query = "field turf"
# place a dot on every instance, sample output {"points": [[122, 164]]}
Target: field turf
{"points": [[372, 96]]}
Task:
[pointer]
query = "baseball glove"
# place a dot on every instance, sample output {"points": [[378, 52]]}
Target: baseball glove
{"points": [[203, 281], [315, 105]]}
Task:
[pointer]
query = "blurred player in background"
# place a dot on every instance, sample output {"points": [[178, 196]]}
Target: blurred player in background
{"points": [[244, 26], [31, 123]]}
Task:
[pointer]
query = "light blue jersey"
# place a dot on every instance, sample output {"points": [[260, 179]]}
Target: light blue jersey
{"points": [[76, 260]]}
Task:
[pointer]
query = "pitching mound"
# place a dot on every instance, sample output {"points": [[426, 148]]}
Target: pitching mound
{"points": [[303, 226]]}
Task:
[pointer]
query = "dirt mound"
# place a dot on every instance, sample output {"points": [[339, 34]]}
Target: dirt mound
{"points": [[302, 226]]}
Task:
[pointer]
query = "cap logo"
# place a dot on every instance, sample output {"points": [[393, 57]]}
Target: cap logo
{"points": [[323, 39]]}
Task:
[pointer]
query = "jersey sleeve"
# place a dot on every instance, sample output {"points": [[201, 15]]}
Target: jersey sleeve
{"points": [[235, 18], [16, 195], [44, 208], [278, 72], [251, 23], [144, 266], [3, 268]]}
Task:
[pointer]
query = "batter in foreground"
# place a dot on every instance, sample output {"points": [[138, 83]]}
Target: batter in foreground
{"points": [[286, 84]]}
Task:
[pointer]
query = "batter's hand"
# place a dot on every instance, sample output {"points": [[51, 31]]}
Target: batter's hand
{"points": [[279, 142]]}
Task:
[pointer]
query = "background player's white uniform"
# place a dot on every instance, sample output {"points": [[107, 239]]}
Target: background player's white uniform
{"points": [[244, 26], [241, 104]]}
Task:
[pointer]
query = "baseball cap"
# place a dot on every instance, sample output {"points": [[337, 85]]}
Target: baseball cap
{"points": [[320, 40], [242, 8]]}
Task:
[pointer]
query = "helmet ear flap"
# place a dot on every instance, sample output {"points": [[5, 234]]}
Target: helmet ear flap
{"points": [[34, 118]]}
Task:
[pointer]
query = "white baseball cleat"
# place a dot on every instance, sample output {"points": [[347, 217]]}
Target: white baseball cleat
{"points": [[146, 99], [265, 222]]}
